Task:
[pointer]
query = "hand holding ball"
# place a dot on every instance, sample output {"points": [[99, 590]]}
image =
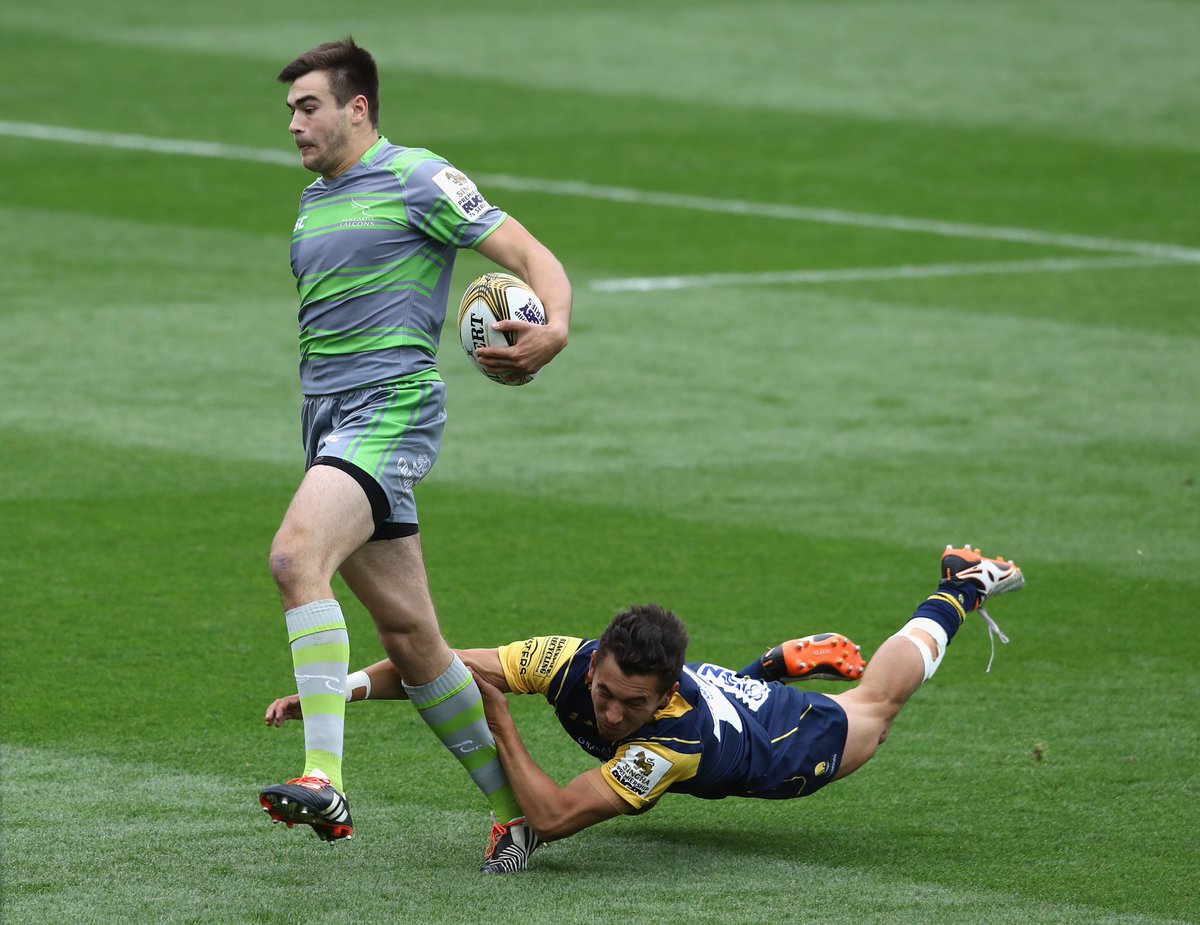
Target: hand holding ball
{"points": [[491, 298]]}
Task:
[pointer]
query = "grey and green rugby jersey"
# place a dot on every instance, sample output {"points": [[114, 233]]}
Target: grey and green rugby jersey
{"points": [[373, 251]]}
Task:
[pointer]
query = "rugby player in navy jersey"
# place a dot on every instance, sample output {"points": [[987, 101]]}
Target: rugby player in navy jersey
{"points": [[659, 725], [373, 250]]}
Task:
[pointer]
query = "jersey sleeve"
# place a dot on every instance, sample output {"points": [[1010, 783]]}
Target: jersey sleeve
{"points": [[641, 772], [530, 665], [444, 203]]}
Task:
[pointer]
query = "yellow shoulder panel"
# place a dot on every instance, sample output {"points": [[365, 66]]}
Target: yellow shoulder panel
{"points": [[529, 665]]}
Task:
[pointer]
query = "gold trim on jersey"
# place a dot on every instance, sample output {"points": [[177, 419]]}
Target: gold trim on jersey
{"points": [[675, 708], [795, 728]]}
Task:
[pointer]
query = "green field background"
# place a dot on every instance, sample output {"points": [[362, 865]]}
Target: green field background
{"points": [[768, 458]]}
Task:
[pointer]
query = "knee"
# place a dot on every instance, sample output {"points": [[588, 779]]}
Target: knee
{"points": [[292, 561]]}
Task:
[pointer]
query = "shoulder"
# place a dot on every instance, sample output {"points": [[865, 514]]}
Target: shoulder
{"points": [[532, 665], [417, 167], [452, 207], [407, 163]]}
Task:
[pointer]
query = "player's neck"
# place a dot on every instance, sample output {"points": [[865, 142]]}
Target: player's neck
{"points": [[355, 154]]}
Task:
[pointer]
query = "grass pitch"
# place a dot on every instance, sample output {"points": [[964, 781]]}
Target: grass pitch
{"points": [[852, 281]]}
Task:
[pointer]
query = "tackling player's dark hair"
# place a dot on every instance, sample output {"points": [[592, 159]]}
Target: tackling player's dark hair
{"points": [[646, 639], [352, 72]]}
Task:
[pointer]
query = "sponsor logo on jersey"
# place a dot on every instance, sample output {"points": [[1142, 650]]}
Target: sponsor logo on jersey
{"points": [[554, 648], [720, 706], [750, 691], [639, 771], [467, 200], [526, 656], [366, 220], [299, 226]]}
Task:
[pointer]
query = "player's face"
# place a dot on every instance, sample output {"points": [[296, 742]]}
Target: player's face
{"points": [[321, 128], [624, 702]]}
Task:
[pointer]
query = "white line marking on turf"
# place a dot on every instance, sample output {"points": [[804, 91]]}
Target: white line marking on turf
{"points": [[781, 211], [866, 274], [839, 217], [146, 143]]}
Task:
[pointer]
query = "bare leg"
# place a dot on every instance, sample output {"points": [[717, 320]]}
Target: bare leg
{"points": [[389, 578], [910, 657], [328, 519], [893, 675]]}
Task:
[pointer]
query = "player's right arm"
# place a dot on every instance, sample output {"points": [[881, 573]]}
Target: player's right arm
{"points": [[514, 248], [554, 811], [386, 684]]}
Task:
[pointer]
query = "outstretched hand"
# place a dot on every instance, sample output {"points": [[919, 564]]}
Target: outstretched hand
{"points": [[283, 709]]}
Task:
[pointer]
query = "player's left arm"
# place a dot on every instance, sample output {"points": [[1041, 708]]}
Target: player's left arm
{"points": [[553, 811], [514, 248]]}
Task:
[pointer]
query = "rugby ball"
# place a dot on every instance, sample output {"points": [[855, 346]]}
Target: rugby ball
{"points": [[491, 298]]}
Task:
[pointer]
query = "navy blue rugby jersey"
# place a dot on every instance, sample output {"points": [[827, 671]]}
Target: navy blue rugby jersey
{"points": [[721, 734]]}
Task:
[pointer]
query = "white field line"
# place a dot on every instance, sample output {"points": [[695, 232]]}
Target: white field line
{"points": [[863, 274], [1172, 252], [781, 211], [146, 143]]}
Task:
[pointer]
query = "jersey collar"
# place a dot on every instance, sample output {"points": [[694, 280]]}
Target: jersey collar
{"points": [[369, 154]]}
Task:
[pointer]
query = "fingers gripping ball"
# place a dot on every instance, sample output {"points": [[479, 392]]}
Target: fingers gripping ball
{"points": [[491, 298]]}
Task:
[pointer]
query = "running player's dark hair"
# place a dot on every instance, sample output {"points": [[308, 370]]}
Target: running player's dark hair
{"points": [[352, 72], [646, 639]]}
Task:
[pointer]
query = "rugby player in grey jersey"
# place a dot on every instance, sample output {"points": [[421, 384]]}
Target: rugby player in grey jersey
{"points": [[373, 252]]}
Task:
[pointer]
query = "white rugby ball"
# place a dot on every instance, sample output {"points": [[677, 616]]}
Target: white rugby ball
{"points": [[491, 298]]}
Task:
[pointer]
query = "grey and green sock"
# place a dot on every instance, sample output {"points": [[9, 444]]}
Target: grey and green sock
{"points": [[453, 708], [321, 658]]}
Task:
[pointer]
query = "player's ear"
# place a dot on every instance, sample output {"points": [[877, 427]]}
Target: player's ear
{"points": [[668, 694]]}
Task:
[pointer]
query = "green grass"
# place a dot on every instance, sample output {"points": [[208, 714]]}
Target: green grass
{"points": [[768, 460]]}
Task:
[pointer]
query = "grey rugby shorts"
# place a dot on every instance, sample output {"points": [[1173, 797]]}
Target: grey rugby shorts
{"points": [[386, 437]]}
